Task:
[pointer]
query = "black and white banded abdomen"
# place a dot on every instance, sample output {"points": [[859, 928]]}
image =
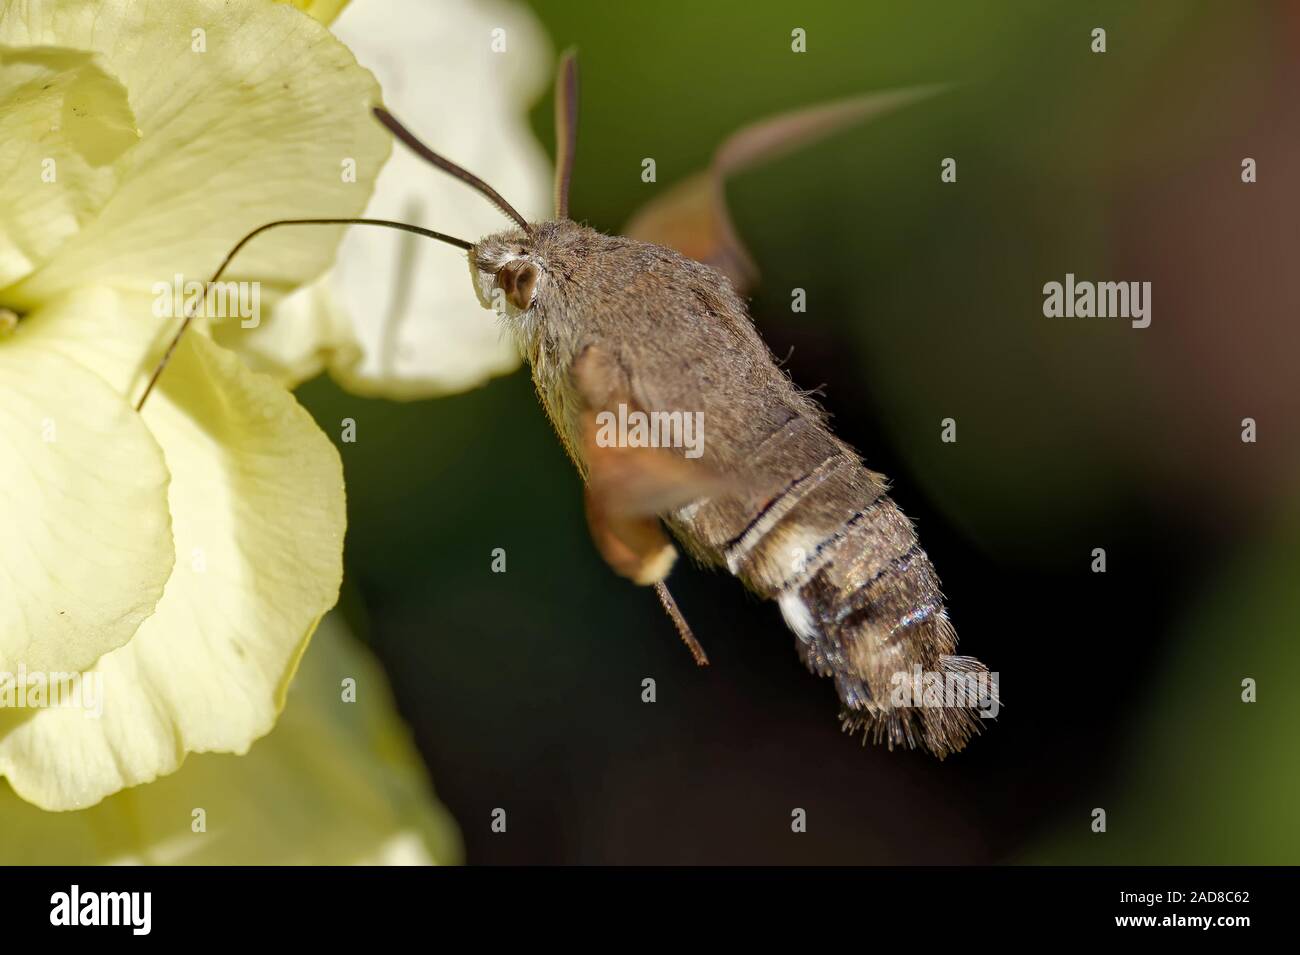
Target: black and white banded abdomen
{"points": [[822, 538]]}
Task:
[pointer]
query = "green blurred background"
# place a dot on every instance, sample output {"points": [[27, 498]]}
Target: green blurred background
{"points": [[1122, 690]]}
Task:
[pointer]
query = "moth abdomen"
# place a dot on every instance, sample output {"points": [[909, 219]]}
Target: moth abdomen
{"points": [[854, 584], [880, 628]]}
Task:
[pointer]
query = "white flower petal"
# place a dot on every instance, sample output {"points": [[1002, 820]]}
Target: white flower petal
{"points": [[416, 328]]}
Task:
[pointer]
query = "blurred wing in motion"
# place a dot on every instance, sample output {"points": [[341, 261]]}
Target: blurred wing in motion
{"points": [[628, 487], [692, 216]]}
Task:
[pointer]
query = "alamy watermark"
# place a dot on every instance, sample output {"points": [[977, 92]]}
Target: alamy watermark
{"points": [[178, 298], [134, 910], [653, 429], [1072, 299], [39, 690], [969, 689]]}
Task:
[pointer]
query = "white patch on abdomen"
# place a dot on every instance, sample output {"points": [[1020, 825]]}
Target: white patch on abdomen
{"points": [[797, 615]]}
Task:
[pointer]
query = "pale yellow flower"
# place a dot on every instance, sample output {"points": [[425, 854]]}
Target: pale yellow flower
{"points": [[185, 554], [335, 782]]}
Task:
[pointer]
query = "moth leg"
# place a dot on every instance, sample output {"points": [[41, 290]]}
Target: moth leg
{"points": [[683, 628]]}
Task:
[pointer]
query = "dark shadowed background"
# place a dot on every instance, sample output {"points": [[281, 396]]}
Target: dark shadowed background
{"points": [[1122, 690]]}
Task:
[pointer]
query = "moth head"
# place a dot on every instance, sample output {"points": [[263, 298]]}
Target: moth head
{"points": [[510, 269], [521, 275], [508, 272]]}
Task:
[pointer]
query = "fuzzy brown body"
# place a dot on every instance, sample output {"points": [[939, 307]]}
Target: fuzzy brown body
{"points": [[808, 526]]}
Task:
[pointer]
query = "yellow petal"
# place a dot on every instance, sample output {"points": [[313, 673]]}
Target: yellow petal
{"points": [[334, 783], [63, 121], [323, 10], [83, 507], [307, 332], [247, 112], [256, 499]]}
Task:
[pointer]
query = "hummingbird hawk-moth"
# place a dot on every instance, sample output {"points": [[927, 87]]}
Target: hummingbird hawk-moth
{"points": [[613, 324]]}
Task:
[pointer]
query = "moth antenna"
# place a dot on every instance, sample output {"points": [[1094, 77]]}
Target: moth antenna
{"points": [[198, 302], [683, 628], [566, 128], [447, 166]]}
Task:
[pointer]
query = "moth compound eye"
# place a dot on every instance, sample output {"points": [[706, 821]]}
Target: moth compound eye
{"points": [[518, 280]]}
